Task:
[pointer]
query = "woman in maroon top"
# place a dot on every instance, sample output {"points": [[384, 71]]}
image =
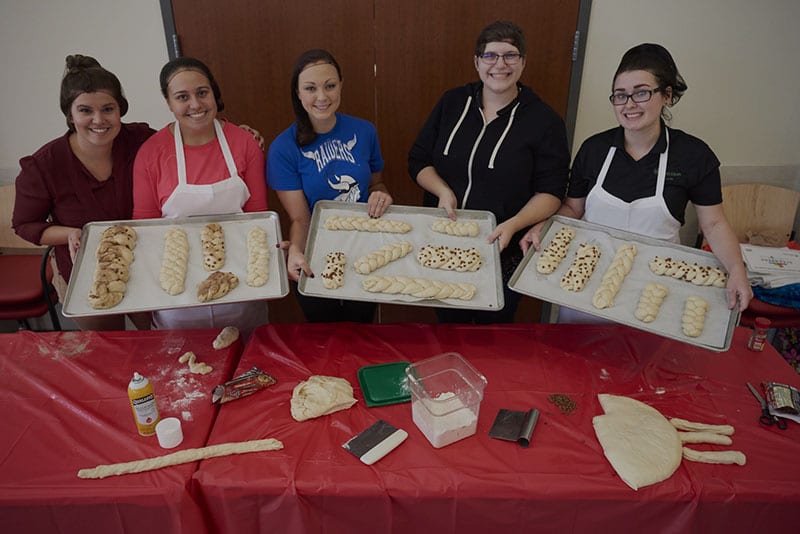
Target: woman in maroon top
{"points": [[84, 175]]}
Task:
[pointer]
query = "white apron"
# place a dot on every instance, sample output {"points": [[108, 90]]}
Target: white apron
{"points": [[223, 197], [648, 216]]}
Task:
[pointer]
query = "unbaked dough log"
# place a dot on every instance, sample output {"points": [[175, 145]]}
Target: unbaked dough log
{"points": [[196, 367], [650, 301], [378, 258], [181, 457], [699, 275], [114, 255], [582, 268], [366, 224], [715, 457], [704, 437], [174, 262], [694, 316], [226, 337], [212, 237], [683, 424], [450, 258], [257, 257], [457, 228], [419, 287], [217, 285], [555, 251], [333, 273], [612, 280]]}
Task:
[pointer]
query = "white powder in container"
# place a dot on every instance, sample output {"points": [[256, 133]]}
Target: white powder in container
{"points": [[443, 422]]}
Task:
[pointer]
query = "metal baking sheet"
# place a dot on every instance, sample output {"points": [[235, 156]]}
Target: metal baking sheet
{"points": [[488, 279], [144, 291], [720, 321]]}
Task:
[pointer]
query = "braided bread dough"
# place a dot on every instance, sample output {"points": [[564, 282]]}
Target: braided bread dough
{"points": [[450, 258], [217, 285], [582, 268], [174, 262], [620, 266], [181, 457], [257, 257], [551, 256], [419, 287], [213, 240], [114, 255], [333, 274], [377, 259], [458, 228], [699, 275], [694, 316], [366, 224], [650, 301], [196, 367]]}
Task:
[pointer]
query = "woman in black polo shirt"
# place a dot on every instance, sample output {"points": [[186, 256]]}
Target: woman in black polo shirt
{"points": [[639, 176]]}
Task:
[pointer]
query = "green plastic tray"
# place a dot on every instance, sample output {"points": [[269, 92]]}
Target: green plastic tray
{"points": [[384, 384]]}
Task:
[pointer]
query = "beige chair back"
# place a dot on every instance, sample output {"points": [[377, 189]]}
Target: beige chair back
{"points": [[760, 208], [10, 242]]}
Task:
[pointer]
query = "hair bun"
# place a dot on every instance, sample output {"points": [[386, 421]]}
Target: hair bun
{"points": [[77, 62]]}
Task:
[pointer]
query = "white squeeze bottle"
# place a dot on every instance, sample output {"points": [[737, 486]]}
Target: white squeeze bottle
{"points": [[143, 404]]}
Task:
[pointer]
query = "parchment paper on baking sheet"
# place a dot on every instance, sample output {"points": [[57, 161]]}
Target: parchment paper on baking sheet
{"points": [[355, 244], [719, 323], [144, 291]]}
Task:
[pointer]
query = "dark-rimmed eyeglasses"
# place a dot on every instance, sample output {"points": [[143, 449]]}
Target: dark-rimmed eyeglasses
{"points": [[490, 58], [640, 96]]}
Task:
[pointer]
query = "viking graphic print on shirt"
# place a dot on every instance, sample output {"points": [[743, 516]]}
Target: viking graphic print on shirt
{"points": [[337, 165]]}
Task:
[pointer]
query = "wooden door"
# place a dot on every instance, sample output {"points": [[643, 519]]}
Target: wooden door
{"points": [[397, 58]]}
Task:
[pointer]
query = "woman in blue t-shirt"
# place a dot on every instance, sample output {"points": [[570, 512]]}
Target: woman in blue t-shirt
{"points": [[324, 155]]}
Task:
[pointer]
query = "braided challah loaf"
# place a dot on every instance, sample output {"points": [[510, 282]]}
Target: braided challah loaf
{"points": [[418, 287], [378, 258], [366, 224], [620, 266]]}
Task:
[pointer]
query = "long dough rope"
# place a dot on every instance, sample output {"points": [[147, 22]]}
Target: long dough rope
{"points": [[449, 258], [366, 224], [378, 258], [174, 261], [457, 228], [555, 251], [257, 257], [715, 457], [418, 287], [212, 238], [699, 275], [683, 424], [650, 301], [694, 316], [582, 268], [612, 280], [181, 457]]}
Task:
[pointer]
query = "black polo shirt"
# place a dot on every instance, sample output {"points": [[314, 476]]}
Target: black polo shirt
{"points": [[692, 170]]}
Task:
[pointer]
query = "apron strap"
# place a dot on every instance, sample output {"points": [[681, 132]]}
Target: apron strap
{"points": [[181, 160], [226, 151]]}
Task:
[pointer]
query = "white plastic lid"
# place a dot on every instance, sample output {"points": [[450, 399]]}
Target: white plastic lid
{"points": [[169, 432]]}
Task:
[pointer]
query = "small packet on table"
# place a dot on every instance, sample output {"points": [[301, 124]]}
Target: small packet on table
{"points": [[783, 400], [241, 386]]}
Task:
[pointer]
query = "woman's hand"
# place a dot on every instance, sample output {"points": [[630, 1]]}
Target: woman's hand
{"points": [[73, 242], [448, 201], [296, 262], [377, 203], [739, 286], [256, 135], [503, 234], [532, 238]]}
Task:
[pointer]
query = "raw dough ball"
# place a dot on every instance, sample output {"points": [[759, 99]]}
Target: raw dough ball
{"points": [[321, 395]]}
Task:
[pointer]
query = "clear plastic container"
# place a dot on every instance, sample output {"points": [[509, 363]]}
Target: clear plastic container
{"points": [[446, 394]]}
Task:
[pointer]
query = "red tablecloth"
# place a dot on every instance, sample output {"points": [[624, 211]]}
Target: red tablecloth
{"points": [[64, 407], [562, 483]]}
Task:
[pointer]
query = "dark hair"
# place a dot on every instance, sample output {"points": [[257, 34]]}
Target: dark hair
{"points": [[656, 60], [83, 74], [305, 131], [189, 63], [501, 31]]}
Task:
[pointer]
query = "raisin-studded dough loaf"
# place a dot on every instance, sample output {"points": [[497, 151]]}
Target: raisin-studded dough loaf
{"points": [[367, 224], [457, 228], [620, 266], [699, 275], [419, 287], [650, 301], [333, 274], [257, 257], [378, 258], [550, 258], [212, 238], [582, 268], [174, 262], [450, 258]]}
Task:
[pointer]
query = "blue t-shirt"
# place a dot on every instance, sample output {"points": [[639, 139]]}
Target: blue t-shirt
{"points": [[338, 165]]}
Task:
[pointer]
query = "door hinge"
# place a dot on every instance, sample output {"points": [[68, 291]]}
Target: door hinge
{"points": [[176, 45], [576, 42]]}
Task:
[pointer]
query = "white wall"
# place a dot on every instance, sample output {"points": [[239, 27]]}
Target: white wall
{"points": [[125, 36]]}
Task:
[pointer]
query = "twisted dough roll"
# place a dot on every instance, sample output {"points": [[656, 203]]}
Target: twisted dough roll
{"points": [[458, 228], [114, 255], [551, 256], [257, 257], [582, 268], [449, 258], [333, 274], [377, 259], [418, 287], [226, 337], [213, 240], [196, 367], [699, 275], [620, 266], [174, 262], [694, 316], [366, 224], [217, 285], [650, 301]]}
